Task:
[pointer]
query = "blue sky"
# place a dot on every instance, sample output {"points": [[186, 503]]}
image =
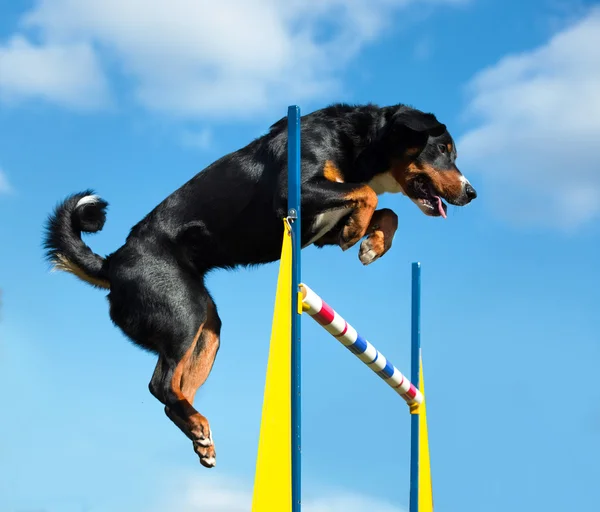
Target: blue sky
{"points": [[133, 101]]}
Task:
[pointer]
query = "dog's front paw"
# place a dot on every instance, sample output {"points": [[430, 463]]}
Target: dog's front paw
{"points": [[372, 248]]}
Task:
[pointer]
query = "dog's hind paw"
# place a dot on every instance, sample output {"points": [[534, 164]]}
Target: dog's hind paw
{"points": [[207, 454], [205, 440], [204, 446]]}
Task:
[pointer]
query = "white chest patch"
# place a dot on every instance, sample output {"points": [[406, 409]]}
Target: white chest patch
{"points": [[324, 222], [385, 183]]}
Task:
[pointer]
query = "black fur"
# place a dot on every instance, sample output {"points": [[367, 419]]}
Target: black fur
{"points": [[230, 214], [63, 233]]}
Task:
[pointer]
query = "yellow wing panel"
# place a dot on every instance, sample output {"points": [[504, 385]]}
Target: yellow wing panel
{"points": [[425, 487], [273, 476]]}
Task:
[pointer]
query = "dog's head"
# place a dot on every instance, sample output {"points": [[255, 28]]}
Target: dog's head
{"points": [[422, 161]]}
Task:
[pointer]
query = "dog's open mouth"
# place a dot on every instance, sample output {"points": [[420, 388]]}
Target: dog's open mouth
{"points": [[426, 197], [436, 205]]}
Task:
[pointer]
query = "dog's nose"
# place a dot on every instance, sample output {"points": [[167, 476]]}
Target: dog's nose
{"points": [[470, 192]]}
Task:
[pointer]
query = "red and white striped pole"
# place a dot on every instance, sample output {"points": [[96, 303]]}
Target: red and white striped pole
{"points": [[342, 331]]}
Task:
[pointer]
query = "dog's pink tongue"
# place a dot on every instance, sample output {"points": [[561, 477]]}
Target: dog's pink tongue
{"points": [[440, 206]]}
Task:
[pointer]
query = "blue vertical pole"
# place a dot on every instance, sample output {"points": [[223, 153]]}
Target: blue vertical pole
{"points": [[294, 214], [415, 367]]}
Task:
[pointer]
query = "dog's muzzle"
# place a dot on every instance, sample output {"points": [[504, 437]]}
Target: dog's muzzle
{"points": [[467, 195]]}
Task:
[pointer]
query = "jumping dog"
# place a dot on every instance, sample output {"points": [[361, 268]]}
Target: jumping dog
{"points": [[230, 214]]}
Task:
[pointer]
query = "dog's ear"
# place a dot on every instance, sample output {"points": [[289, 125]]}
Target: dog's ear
{"points": [[418, 122], [409, 131]]}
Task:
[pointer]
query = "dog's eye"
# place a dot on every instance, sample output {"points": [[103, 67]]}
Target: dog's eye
{"points": [[442, 148]]}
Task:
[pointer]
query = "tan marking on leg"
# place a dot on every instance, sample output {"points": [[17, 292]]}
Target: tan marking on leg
{"points": [[364, 201], [193, 424], [195, 372], [332, 172], [382, 228], [190, 420], [200, 364]]}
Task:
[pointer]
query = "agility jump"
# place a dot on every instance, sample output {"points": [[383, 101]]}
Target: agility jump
{"points": [[277, 483]]}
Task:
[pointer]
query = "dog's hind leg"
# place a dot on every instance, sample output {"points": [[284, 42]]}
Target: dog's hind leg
{"points": [[160, 389], [183, 376], [197, 370], [163, 306]]}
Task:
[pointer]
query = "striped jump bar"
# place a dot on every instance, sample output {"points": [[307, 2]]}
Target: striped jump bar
{"points": [[341, 330]]}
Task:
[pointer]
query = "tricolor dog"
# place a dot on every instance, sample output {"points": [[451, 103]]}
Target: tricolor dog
{"points": [[230, 214]]}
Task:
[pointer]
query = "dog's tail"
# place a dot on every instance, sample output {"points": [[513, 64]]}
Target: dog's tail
{"points": [[79, 213]]}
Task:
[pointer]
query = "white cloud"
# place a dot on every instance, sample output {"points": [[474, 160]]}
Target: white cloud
{"points": [[65, 73], [5, 186], [209, 493], [195, 58], [536, 144]]}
